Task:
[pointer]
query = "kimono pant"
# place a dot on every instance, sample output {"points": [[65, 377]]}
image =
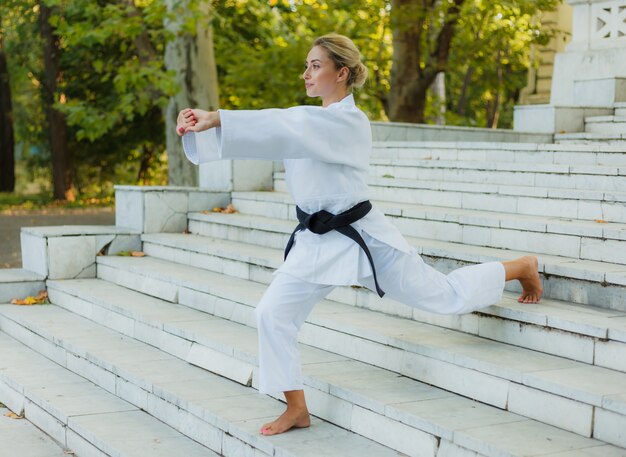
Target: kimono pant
{"points": [[404, 277]]}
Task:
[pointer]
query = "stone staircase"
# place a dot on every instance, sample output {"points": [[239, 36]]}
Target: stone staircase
{"points": [[157, 355], [608, 129]]}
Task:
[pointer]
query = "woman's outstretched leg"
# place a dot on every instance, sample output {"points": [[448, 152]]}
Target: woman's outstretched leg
{"points": [[525, 270], [408, 279], [281, 312]]}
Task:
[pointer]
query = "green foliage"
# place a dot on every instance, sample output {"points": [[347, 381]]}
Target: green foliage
{"points": [[261, 48], [113, 89], [115, 86], [491, 55]]}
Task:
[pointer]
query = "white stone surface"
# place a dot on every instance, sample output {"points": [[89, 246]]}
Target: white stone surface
{"points": [[221, 364], [448, 449], [165, 212], [521, 438], [45, 421], [445, 416], [71, 257], [129, 209], [599, 92], [393, 434], [13, 399], [34, 253], [611, 354], [610, 427], [9, 291], [551, 409], [21, 437]]}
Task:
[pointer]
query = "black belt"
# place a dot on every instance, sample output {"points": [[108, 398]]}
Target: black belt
{"points": [[323, 222]]}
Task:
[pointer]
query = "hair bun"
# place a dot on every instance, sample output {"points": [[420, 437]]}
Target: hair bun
{"points": [[360, 75]]}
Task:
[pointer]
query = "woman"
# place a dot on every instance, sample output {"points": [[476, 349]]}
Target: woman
{"points": [[326, 155]]}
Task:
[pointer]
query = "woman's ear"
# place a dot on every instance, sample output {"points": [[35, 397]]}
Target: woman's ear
{"points": [[343, 74]]}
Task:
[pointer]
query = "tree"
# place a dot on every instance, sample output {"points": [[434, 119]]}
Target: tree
{"points": [[7, 143], [490, 57], [115, 87], [190, 55], [57, 126], [422, 37]]}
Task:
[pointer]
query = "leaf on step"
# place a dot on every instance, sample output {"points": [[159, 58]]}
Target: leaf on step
{"points": [[68, 452], [228, 210], [123, 253], [601, 221], [40, 299], [137, 254], [12, 415]]}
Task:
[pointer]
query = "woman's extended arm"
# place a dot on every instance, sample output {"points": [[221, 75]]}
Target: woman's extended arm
{"points": [[333, 135], [196, 120]]}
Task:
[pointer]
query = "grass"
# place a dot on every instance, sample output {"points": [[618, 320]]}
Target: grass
{"points": [[11, 202]]}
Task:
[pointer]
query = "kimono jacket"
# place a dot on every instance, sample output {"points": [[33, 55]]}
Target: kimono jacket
{"points": [[326, 156]]}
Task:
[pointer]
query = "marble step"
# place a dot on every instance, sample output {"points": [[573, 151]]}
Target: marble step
{"points": [[25, 439], [582, 333], [557, 391], [620, 109], [605, 242], [352, 386], [19, 283], [220, 415], [590, 177], [616, 140], [81, 416], [580, 281], [528, 153], [605, 124], [588, 205]]}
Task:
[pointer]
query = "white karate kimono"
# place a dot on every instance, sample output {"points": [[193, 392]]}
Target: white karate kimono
{"points": [[326, 155]]}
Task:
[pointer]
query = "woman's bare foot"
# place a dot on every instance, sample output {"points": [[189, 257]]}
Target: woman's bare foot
{"points": [[526, 271], [296, 416], [289, 419]]}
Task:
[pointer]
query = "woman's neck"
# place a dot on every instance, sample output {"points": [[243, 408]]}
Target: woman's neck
{"points": [[336, 96]]}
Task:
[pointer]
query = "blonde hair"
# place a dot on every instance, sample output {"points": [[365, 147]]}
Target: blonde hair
{"points": [[344, 53]]}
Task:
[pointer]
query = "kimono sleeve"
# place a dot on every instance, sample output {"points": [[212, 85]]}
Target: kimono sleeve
{"points": [[202, 147], [341, 136]]}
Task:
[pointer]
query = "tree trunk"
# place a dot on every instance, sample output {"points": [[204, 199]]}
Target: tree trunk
{"points": [[439, 92], [462, 103], [414, 67], [494, 112], [7, 142], [57, 126], [147, 154], [192, 58]]}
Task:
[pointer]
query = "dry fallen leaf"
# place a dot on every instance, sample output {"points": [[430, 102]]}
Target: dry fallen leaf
{"points": [[12, 415], [601, 221], [41, 298], [228, 210], [137, 254]]}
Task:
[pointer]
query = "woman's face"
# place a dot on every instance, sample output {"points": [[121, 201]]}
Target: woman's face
{"points": [[321, 78]]}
